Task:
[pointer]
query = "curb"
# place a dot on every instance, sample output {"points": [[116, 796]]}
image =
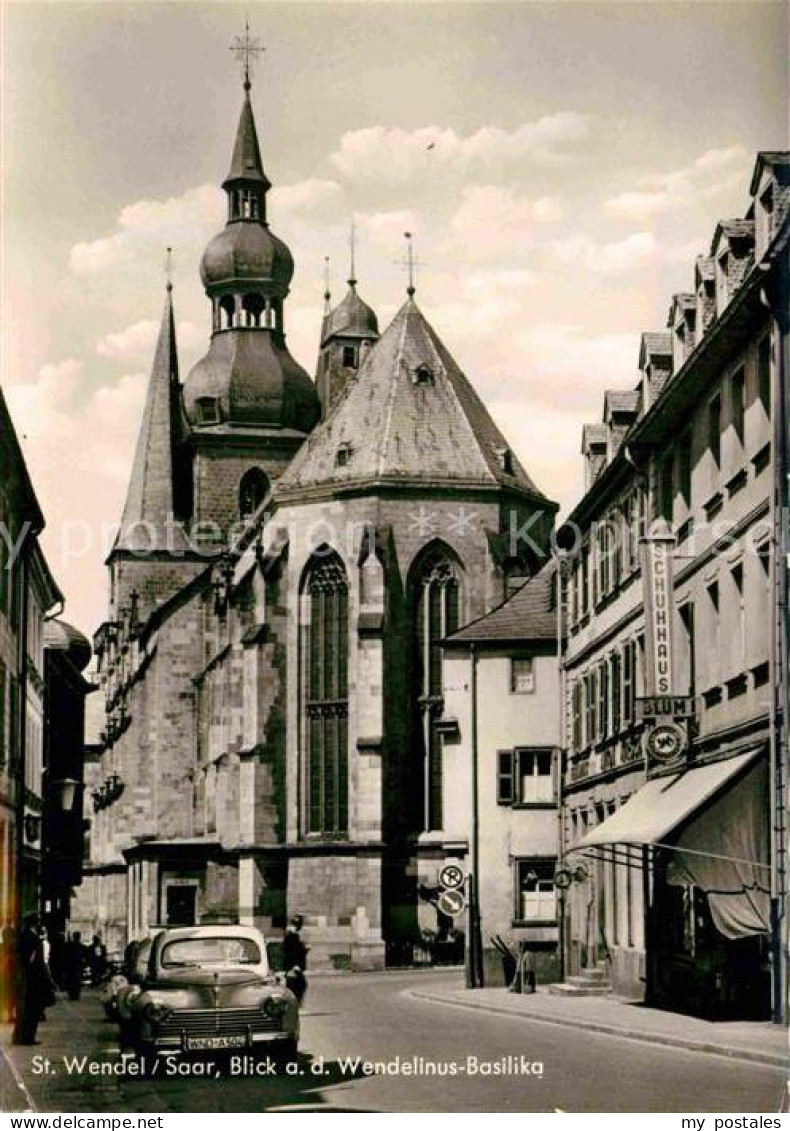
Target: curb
{"points": [[389, 972], [753, 1056]]}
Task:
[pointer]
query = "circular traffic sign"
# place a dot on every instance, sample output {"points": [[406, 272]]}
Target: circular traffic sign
{"points": [[451, 876], [451, 902], [665, 743]]}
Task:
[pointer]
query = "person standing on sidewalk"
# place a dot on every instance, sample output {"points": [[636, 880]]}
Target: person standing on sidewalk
{"points": [[97, 960], [34, 985], [295, 958], [73, 963]]}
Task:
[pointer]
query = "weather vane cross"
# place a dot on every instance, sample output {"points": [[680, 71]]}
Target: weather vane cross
{"points": [[411, 263], [327, 291], [352, 246], [169, 268], [247, 48]]}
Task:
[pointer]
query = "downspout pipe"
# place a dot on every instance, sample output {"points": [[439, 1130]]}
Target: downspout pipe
{"points": [[22, 582], [476, 941]]}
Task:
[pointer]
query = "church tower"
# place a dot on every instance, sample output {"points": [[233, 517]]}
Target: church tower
{"points": [[348, 332], [248, 403], [151, 557]]}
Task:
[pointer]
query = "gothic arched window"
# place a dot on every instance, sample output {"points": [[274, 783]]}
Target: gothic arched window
{"points": [[325, 668], [252, 491], [436, 603]]}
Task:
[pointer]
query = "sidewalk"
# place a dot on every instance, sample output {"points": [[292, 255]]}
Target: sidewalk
{"points": [[72, 1029], [757, 1041]]}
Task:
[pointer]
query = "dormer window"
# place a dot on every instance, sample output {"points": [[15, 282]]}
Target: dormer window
{"points": [[343, 455], [423, 375], [350, 357], [208, 411], [505, 457]]}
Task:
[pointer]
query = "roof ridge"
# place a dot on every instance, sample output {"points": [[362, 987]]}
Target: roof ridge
{"points": [[392, 391]]}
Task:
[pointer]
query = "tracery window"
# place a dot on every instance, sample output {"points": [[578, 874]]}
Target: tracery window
{"points": [[325, 642], [436, 599]]}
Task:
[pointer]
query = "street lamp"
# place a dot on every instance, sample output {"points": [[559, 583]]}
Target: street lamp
{"points": [[64, 794]]}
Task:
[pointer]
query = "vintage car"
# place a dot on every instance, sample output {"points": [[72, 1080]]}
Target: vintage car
{"points": [[209, 988]]}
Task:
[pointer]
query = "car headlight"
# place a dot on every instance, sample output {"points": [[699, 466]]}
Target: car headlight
{"points": [[156, 1011], [275, 1006]]}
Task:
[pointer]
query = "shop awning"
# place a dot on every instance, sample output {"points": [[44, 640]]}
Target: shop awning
{"points": [[662, 804]]}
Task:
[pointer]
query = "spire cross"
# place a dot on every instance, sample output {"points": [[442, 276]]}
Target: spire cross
{"points": [[247, 48], [352, 244], [169, 269], [411, 264], [327, 292]]}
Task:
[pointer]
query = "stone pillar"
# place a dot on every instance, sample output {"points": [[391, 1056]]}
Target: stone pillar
{"points": [[247, 885]]}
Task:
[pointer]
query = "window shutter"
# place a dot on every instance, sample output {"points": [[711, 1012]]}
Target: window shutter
{"points": [[505, 792]]}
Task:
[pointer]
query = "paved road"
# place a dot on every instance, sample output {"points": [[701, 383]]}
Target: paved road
{"points": [[373, 1018]]}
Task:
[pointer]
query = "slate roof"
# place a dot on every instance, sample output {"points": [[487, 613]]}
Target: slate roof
{"points": [[704, 267], [391, 427], [150, 502], [351, 318], [621, 400], [654, 344], [529, 615], [736, 229]]}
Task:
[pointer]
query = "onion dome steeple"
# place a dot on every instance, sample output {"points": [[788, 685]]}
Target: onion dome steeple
{"points": [[248, 378]]}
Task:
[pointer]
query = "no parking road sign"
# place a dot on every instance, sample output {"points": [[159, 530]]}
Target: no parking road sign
{"points": [[452, 903], [451, 876]]}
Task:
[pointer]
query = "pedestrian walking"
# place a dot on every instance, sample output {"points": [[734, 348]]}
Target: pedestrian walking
{"points": [[295, 958], [34, 984], [73, 965]]}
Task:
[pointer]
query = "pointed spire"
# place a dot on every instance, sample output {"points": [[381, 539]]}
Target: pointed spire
{"points": [[246, 163], [150, 499]]}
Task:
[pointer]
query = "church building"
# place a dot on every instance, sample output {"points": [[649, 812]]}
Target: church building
{"points": [[291, 555]]}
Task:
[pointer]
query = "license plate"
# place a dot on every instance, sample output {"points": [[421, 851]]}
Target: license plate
{"points": [[239, 1042]]}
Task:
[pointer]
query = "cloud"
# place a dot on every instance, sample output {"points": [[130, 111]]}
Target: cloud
{"points": [[395, 154], [137, 341], [574, 360], [492, 222], [711, 174], [305, 196], [186, 223], [386, 229], [608, 260], [78, 445], [503, 281]]}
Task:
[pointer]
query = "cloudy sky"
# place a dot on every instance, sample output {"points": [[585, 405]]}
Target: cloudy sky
{"points": [[560, 164]]}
